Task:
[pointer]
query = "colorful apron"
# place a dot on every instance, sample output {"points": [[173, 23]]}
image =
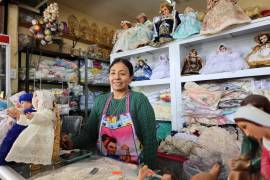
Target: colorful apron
{"points": [[117, 138]]}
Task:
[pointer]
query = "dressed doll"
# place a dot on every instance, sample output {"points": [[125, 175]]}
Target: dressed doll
{"points": [[193, 63], [35, 144], [260, 55], [121, 37], [165, 24], [223, 60], [189, 24], [222, 14], [142, 33], [255, 122], [25, 103], [162, 69], [142, 71]]}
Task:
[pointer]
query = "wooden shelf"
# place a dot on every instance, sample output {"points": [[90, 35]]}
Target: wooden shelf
{"points": [[72, 38], [54, 54]]}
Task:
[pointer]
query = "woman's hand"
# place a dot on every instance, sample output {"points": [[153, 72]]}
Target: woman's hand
{"points": [[66, 142]]}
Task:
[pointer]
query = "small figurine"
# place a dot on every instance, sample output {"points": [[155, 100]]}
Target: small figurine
{"points": [[223, 60], [260, 54], [121, 37], [193, 63], [255, 123], [165, 24], [35, 143], [190, 25], [142, 71], [222, 14], [162, 69]]}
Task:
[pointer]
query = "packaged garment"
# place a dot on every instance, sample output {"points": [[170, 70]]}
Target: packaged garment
{"points": [[6, 123], [223, 60], [190, 25], [162, 69], [260, 54], [142, 70], [192, 63], [222, 14]]}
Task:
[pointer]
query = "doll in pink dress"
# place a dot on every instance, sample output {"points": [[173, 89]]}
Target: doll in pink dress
{"points": [[222, 14]]}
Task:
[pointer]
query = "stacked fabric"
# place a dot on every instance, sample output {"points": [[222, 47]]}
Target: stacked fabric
{"points": [[97, 72], [55, 70], [215, 103], [161, 103]]}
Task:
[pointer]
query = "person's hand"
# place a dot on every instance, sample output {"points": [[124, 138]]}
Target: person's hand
{"points": [[29, 116], [66, 142], [240, 165], [144, 172], [14, 113], [166, 177]]}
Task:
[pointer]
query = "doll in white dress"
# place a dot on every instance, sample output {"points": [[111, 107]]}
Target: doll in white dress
{"points": [[35, 143], [162, 69], [223, 60], [121, 37]]}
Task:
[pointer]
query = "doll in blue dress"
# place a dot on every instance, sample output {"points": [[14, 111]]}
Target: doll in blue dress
{"points": [[25, 103], [142, 71], [190, 25]]}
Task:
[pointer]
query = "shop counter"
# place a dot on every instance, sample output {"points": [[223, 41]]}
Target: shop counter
{"points": [[94, 168]]}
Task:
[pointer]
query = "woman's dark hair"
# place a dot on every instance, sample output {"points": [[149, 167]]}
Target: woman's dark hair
{"points": [[125, 62], [257, 101]]}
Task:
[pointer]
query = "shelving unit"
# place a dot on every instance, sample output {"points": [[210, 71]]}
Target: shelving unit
{"points": [[239, 36], [28, 51]]}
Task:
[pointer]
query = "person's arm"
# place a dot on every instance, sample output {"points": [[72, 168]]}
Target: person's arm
{"points": [[147, 122], [89, 134]]}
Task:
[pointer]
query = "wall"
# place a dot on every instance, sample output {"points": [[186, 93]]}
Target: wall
{"points": [[13, 13]]}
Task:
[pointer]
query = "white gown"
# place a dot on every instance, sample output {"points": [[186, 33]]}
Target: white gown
{"points": [[223, 62], [35, 143]]}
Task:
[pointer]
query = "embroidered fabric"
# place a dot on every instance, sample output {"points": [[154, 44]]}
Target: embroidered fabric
{"points": [[222, 14], [5, 124]]}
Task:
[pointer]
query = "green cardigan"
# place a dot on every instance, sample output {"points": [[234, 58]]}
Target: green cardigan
{"points": [[143, 118]]}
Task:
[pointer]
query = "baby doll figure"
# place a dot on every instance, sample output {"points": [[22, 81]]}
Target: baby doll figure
{"points": [[222, 14], [162, 69], [189, 24], [121, 37], [37, 140], [25, 103], [255, 123], [193, 63], [165, 24], [142, 71], [260, 55], [223, 60], [142, 32]]}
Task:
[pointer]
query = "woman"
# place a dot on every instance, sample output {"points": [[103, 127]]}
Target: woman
{"points": [[124, 115], [254, 120]]}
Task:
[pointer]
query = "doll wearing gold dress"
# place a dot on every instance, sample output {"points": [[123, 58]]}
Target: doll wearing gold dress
{"points": [[260, 54]]}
